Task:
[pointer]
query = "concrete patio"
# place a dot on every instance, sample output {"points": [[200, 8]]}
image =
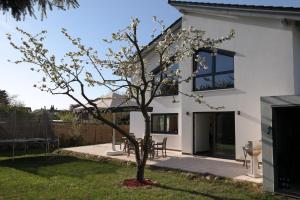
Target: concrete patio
{"points": [[175, 160]]}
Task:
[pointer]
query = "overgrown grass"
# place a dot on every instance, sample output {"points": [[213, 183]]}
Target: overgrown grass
{"points": [[67, 177]]}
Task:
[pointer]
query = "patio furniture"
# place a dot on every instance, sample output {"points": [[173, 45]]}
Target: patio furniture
{"points": [[124, 143], [113, 103], [151, 151], [245, 163], [161, 146], [129, 147]]}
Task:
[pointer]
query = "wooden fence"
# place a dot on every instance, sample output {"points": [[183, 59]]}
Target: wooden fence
{"points": [[15, 126], [71, 134]]}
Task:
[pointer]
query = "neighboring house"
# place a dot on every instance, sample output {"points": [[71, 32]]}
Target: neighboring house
{"points": [[112, 101], [261, 61]]}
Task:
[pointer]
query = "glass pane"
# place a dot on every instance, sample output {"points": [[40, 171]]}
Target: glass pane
{"points": [[157, 77], [174, 67], [207, 68], [225, 134], [172, 123], [224, 81], [203, 83], [169, 88], [158, 123], [224, 63]]}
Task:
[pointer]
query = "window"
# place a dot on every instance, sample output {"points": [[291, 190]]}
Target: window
{"points": [[164, 123], [169, 88], [218, 73]]}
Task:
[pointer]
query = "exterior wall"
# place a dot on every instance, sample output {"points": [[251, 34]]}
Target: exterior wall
{"points": [[267, 138], [265, 65], [160, 105]]}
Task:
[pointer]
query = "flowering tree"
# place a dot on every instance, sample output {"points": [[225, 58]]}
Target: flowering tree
{"points": [[84, 68]]}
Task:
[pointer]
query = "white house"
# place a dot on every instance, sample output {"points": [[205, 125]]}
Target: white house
{"points": [[263, 60]]}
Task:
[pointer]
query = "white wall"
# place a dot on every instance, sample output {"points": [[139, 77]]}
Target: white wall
{"points": [[160, 105], [263, 67]]}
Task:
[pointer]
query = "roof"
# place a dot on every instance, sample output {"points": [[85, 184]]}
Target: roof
{"points": [[175, 25], [241, 9], [248, 6], [113, 102], [289, 12]]}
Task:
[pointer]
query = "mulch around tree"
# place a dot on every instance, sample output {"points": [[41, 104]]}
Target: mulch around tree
{"points": [[133, 183]]}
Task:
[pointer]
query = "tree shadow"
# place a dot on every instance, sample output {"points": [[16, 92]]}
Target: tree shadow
{"points": [[49, 166], [193, 192]]}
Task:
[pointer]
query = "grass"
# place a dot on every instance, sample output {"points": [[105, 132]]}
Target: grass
{"points": [[67, 177]]}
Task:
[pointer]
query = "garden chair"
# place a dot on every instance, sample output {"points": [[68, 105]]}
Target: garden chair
{"points": [[128, 145], [125, 142], [161, 146], [151, 151]]}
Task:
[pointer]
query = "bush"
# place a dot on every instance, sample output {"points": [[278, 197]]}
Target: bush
{"points": [[67, 116]]}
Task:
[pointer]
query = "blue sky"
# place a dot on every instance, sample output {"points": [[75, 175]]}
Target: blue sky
{"points": [[92, 21]]}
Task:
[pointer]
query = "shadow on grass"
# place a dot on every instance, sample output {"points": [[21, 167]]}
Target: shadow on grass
{"points": [[193, 192], [7, 154], [49, 166]]}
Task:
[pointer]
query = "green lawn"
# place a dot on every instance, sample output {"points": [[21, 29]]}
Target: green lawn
{"points": [[66, 177]]}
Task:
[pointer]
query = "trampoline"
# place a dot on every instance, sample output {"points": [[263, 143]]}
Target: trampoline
{"points": [[27, 130]]}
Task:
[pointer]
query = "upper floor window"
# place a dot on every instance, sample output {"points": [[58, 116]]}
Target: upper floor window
{"points": [[171, 86], [218, 73]]}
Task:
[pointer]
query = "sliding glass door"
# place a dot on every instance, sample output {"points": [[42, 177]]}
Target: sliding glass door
{"points": [[224, 141], [214, 134]]}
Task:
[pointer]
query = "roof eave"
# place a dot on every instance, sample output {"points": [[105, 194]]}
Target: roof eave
{"points": [[247, 12], [174, 27]]}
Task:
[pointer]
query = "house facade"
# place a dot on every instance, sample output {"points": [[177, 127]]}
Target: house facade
{"points": [[262, 60]]}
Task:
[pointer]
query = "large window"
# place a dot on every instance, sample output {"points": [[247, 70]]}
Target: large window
{"points": [[164, 123], [218, 72], [169, 88]]}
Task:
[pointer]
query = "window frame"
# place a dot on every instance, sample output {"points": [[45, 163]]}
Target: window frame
{"points": [[213, 73], [165, 124], [159, 70]]}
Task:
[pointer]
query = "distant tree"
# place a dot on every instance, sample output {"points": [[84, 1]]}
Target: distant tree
{"points": [[15, 102], [20, 8], [4, 98], [52, 108], [82, 68]]}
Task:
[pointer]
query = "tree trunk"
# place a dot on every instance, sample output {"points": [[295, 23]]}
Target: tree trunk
{"points": [[141, 163], [140, 172]]}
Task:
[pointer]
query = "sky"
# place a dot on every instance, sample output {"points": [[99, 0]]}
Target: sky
{"points": [[92, 21]]}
